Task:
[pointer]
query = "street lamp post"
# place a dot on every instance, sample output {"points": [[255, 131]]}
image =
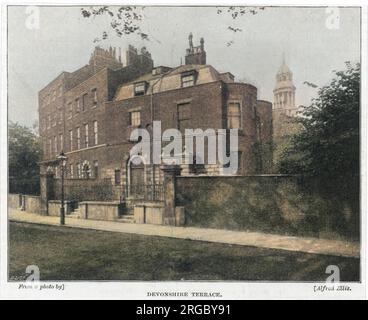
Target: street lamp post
{"points": [[62, 160]]}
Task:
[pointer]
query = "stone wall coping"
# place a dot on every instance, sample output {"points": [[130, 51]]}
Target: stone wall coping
{"points": [[59, 201], [102, 203], [238, 176], [24, 195], [150, 204]]}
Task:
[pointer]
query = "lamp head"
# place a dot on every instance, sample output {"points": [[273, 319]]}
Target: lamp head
{"points": [[62, 158]]}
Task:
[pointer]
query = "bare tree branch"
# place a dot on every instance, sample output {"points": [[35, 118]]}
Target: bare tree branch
{"points": [[125, 20]]}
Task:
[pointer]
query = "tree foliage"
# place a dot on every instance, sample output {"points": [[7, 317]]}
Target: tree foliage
{"points": [[326, 150], [328, 144], [24, 155]]}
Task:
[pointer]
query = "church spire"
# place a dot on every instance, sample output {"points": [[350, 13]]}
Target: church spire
{"points": [[284, 92]]}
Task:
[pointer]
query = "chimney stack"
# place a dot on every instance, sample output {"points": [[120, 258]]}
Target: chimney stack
{"points": [[195, 55]]}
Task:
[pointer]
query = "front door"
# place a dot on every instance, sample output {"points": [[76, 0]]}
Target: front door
{"points": [[137, 186]]}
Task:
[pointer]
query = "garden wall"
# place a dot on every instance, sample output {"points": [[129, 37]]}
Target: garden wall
{"points": [[55, 205], [149, 212], [32, 204], [96, 210], [14, 200], [268, 203]]}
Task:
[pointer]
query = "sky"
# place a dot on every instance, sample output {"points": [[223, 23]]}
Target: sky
{"points": [[313, 41]]}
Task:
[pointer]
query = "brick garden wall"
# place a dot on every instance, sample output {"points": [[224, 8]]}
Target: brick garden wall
{"points": [[269, 203]]}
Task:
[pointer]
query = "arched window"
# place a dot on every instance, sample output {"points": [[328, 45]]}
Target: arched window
{"points": [[86, 170]]}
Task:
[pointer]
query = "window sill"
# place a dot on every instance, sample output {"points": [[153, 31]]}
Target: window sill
{"points": [[187, 86]]}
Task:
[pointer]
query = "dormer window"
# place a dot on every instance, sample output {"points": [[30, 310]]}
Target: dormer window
{"points": [[140, 89], [188, 79]]}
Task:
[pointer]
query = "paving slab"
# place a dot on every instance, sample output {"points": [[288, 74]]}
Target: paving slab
{"points": [[243, 238]]}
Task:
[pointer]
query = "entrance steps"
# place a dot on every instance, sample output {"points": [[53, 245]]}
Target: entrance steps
{"points": [[127, 218], [74, 214]]}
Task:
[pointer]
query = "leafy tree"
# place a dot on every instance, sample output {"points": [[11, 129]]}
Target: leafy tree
{"points": [[24, 155], [328, 144], [327, 147], [284, 129]]}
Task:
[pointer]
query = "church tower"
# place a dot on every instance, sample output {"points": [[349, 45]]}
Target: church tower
{"points": [[284, 92]]}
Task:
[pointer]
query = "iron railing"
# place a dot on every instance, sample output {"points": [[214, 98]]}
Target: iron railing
{"points": [[147, 192]]}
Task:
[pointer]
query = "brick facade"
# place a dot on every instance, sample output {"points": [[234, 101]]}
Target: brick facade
{"points": [[102, 96]]}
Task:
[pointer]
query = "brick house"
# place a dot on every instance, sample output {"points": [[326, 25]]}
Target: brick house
{"points": [[90, 113]]}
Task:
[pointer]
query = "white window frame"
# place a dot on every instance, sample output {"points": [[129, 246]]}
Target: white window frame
{"points": [[135, 121], [50, 147], [78, 138], [240, 116], [84, 101], [55, 145], [71, 140], [79, 170], [77, 105], [86, 136], [95, 132], [95, 165], [54, 120], [70, 110], [142, 89], [95, 97], [71, 174], [61, 138], [185, 83]]}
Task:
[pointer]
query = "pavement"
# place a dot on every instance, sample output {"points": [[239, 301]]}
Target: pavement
{"points": [[242, 238]]}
